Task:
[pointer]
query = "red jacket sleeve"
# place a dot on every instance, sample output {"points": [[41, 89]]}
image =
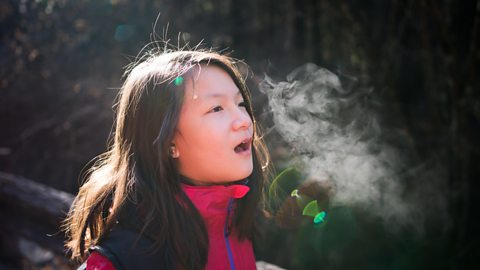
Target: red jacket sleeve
{"points": [[97, 261]]}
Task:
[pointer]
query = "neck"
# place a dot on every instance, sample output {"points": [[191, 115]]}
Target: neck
{"points": [[189, 181]]}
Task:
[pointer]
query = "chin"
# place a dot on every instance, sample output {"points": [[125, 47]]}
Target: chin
{"points": [[239, 176], [247, 173]]}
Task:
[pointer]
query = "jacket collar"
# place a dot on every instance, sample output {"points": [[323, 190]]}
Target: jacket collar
{"points": [[213, 200]]}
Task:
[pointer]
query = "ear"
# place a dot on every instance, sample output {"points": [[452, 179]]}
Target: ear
{"points": [[173, 151]]}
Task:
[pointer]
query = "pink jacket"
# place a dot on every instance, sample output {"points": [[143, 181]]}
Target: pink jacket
{"points": [[215, 204]]}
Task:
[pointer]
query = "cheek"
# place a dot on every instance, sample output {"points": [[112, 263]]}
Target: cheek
{"points": [[207, 135], [207, 139], [211, 141]]}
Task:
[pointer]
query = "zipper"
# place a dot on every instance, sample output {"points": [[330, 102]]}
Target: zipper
{"points": [[226, 233]]}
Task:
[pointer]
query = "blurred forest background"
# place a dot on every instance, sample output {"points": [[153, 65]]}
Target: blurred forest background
{"points": [[61, 63]]}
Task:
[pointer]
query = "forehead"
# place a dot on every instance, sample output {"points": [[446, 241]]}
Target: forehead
{"points": [[208, 83]]}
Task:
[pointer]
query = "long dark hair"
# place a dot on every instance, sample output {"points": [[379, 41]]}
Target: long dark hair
{"points": [[138, 169]]}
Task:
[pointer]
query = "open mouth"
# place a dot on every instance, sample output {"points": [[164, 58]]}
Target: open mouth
{"points": [[243, 146]]}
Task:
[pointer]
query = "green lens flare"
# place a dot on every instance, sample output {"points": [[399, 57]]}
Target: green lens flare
{"points": [[281, 182], [178, 81], [301, 199], [320, 217], [311, 209], [285, 187]]}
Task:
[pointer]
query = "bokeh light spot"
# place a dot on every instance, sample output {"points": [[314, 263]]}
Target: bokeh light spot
{"points": [[124, 32], [178, 81], [319, 218]]}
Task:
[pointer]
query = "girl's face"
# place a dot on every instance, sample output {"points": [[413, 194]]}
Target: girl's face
{"points": [[213, 122]]}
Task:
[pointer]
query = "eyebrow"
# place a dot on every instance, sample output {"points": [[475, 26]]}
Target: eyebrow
{"points": [[219, 95]]}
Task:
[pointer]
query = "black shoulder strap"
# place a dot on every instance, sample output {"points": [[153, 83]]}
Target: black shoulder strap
{"points": [[126, 250]]}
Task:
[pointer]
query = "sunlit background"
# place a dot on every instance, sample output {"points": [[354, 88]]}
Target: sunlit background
{"points": [[371, 109]]}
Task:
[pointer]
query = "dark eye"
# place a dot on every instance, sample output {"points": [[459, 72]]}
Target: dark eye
{"points": [[243, 104], [216, 109]]}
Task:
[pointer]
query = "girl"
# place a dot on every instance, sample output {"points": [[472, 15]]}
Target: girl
{"points": [[181, 183]]}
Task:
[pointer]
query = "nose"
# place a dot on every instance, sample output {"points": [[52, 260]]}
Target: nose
{"points": [[242, 120]]}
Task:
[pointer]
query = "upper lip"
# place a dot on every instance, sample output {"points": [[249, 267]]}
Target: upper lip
{"points": [[247, 141]]}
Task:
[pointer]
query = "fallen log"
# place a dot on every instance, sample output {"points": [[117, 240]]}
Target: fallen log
{"points": [[33, 211]]}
